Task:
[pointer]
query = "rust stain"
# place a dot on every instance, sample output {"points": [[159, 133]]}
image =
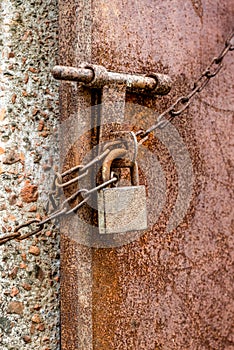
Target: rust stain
{"points": [[198, 7]]}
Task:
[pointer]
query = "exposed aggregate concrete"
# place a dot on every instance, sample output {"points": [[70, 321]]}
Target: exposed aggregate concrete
{"points": [[29, 270]]}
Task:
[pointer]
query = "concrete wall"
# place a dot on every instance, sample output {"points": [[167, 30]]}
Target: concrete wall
{"points": [[29, 271]]}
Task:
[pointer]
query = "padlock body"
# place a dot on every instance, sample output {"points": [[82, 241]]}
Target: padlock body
{"points": [[122, 209]]}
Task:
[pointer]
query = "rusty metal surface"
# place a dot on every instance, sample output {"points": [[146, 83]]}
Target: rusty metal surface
{"points": [[76, 278], [169, 289], [172, 290]]}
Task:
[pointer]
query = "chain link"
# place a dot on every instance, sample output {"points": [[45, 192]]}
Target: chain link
{"points": [[26, 224], [183, 102], [83, 169], [63, 210]]}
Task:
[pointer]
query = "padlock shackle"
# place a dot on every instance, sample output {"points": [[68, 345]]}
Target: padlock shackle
{"points": [[106, 166], [116, 154], [134, 174]]}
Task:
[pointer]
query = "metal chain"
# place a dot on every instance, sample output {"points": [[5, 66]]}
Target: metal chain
{"points": [[183, 102], [63, 210], [173, 111], [83, 169]]}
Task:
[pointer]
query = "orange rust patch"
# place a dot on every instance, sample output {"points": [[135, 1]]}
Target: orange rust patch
{"points": [[2, 114], [29, 193], [22, 156]]}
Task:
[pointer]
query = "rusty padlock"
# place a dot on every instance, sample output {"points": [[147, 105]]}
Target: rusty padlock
{"points": [[121, 209]]}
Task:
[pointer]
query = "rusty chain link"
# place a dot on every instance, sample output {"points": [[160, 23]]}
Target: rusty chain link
{"points": [[181, 104], [63, 210]]}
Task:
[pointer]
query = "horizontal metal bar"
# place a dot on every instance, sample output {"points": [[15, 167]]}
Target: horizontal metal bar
{"points": [[74, 74], [97, 76], [133, 82]]}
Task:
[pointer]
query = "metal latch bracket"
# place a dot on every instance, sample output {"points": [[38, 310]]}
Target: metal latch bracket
{"points": [[96, 76]]}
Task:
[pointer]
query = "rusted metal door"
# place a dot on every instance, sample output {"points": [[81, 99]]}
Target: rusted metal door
{"points": [[171, 286]]}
